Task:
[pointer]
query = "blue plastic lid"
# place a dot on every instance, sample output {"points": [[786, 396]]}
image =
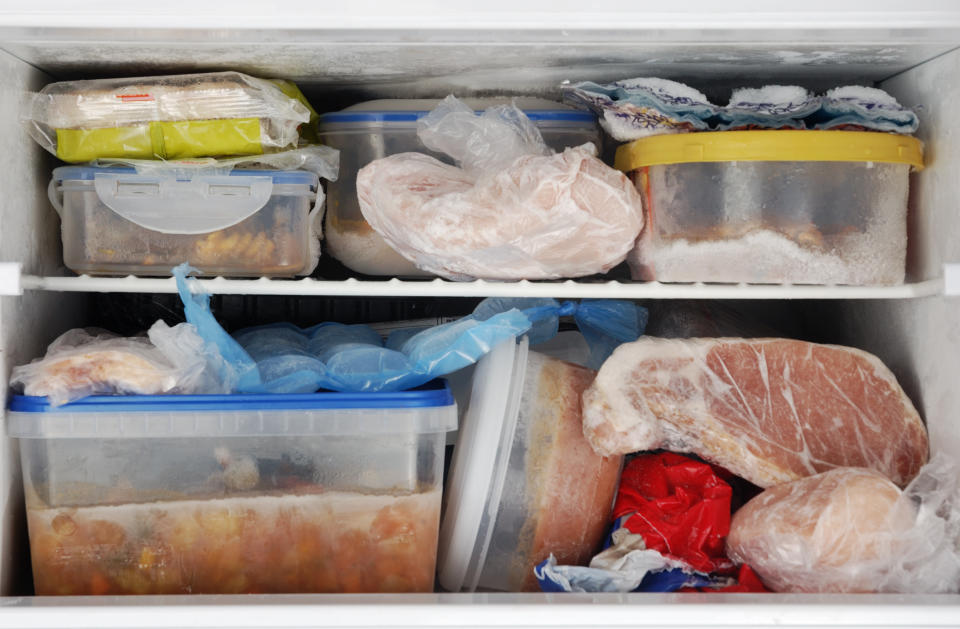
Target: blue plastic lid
{"points": [[435, 393], [537, 115], [86, 173]]}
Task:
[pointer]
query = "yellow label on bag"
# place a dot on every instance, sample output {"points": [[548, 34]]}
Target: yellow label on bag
{"points": [[162, 140]]}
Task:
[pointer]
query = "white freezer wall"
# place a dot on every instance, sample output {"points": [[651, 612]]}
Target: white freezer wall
{"points": [[30, 235]]}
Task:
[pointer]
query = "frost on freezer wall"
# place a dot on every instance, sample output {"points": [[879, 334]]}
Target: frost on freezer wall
{"points": [[30, 234], [920, 339]]}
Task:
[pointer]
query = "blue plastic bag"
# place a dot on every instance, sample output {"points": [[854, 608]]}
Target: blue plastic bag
{"points": [[283, 358]]}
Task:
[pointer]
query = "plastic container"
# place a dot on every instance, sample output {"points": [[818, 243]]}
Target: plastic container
{"points": [[323, 492], [247, 223], [375, 129], [523, 482], [810, 207]]}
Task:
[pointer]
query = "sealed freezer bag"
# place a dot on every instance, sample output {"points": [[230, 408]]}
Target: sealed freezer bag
{"points": [[511, 210], [165, 117], [84, 362], [852, 530]]}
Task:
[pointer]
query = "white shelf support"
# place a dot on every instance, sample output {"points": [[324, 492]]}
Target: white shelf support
{"points": [[10, 279]]}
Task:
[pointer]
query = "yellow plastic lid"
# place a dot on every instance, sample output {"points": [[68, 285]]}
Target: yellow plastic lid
{"points": [[789, 145]]}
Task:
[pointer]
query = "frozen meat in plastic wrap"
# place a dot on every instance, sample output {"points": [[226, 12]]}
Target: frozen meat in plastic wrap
{"points": [[188, 115], [852, 530], [768, 410], [84, 362], [510, 211]]}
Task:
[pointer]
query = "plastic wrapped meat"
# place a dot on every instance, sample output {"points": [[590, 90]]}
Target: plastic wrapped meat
{"points": [[544, 217], [511, 211], [852, 530], [768, 410]]}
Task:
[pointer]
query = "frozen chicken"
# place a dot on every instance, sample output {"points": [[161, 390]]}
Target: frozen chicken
{"points": [[768, 410], [852, 530], [512, 210]]}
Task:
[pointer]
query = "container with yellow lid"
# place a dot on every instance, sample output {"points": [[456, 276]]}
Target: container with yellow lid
{"points": [[806, 207]]}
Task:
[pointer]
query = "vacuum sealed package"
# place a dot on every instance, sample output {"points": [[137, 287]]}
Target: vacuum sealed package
{"points": [[852, 530], [84, 362], [768, 410], [511, 210], [165, 117], [284, 358], [637, 108]]}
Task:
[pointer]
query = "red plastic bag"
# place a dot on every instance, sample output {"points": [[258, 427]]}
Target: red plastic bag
{"points": [[681, 507]]}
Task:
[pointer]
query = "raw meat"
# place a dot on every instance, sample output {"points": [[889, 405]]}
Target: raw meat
{"points": [[834, 532], [768, 410], [543, 217]]}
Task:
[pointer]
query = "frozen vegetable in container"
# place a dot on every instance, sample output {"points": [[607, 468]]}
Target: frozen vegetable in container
{"points": [[810, 207], [376, 129], [321, 492], [524, 482], [245, 223]]}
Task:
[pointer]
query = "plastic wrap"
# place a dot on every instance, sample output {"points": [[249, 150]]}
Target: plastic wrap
{"points": [[512, 211], [84, 362], [852, 530], [768, 410], [168, 117]]}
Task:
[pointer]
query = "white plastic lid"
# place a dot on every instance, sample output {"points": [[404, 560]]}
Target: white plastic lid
{"points": [[479, 466]]}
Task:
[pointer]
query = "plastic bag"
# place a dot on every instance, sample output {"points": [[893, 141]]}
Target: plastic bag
{"points": [[512, 211], [852, 530], [168, 117], [84, 362], [769, 107], [864, 108], [283, 358]]}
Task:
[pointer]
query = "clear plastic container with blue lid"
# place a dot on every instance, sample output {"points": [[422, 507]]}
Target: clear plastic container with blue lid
{"points": [[247, 223], [376, 129], [321, 492]]}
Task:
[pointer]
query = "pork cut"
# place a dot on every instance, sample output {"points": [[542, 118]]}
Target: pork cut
{"points": [[768, 410]]}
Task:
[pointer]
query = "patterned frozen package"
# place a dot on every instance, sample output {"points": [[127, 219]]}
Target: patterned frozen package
{"points": [[768, 107], [166, 117], [863, 109], [768, 410], [852, 530], [511, 212], [637, 108]]}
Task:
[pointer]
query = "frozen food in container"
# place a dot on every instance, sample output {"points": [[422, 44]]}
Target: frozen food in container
{"points": [[245, 223], [166, 117], [523, 482], [810, 207], [375, 129], [321, 492]]}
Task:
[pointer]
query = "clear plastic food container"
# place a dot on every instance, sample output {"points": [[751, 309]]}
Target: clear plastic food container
{"points": [[375, 129], [806, 207], [324, 492], [523, 482], [246, 223]]}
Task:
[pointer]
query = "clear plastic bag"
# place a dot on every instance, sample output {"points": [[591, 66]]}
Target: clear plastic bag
{"points": [[852, 530], [512, 211], [84, 362], [169, 117]]}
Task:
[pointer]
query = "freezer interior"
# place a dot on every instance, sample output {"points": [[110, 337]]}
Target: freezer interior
{"points": [[918, 337]]}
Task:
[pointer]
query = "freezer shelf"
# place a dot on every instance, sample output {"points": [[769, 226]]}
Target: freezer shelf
{"points": [[568, 289], [482, 610]]}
